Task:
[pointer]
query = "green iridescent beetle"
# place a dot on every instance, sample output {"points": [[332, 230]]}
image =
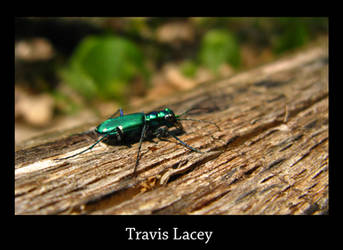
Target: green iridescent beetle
{"points": [[139, 125]]}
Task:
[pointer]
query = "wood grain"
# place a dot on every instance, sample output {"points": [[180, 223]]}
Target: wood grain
{"points": [[270, 155]]}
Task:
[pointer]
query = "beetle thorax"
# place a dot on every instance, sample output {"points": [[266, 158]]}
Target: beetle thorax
{"points": [[159, 118]]}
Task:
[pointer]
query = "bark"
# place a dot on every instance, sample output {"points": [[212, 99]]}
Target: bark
{"points": [[269, 155]]}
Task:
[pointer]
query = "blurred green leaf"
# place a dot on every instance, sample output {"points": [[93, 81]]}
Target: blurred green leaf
{"points": [[102, 66], [65, 103], [294, 33], [188, 68], [218, 47]]}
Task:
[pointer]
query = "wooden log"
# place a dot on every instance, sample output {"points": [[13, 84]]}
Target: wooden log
{"points": [[270, 155]]}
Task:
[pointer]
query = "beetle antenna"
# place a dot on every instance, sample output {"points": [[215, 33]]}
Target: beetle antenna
{"points": [[187, 111], [190, 119], [183, 113]]}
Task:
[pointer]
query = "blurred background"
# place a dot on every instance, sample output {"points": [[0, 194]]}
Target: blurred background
{"points": [[69, 71]]}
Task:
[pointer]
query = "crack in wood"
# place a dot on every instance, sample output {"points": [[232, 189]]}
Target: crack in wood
{"points": [[245, 195]]}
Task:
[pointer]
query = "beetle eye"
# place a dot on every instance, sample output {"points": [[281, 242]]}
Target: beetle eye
{"points": [[169, 118]]}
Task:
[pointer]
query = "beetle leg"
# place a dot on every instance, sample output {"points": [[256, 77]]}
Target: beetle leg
{"points": [[161, 132], [115, 113], [183, 143], [89, 148], [140, 144]]}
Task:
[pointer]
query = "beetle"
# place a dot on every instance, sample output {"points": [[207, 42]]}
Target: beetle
{"points": [[140, 125]]}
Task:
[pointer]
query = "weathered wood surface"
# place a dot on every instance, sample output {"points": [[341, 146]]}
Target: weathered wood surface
{"points": [[270, 155]]}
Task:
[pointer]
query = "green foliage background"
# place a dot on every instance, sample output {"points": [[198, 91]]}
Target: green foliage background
{"points": [[104, 66], [218, 47]]}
